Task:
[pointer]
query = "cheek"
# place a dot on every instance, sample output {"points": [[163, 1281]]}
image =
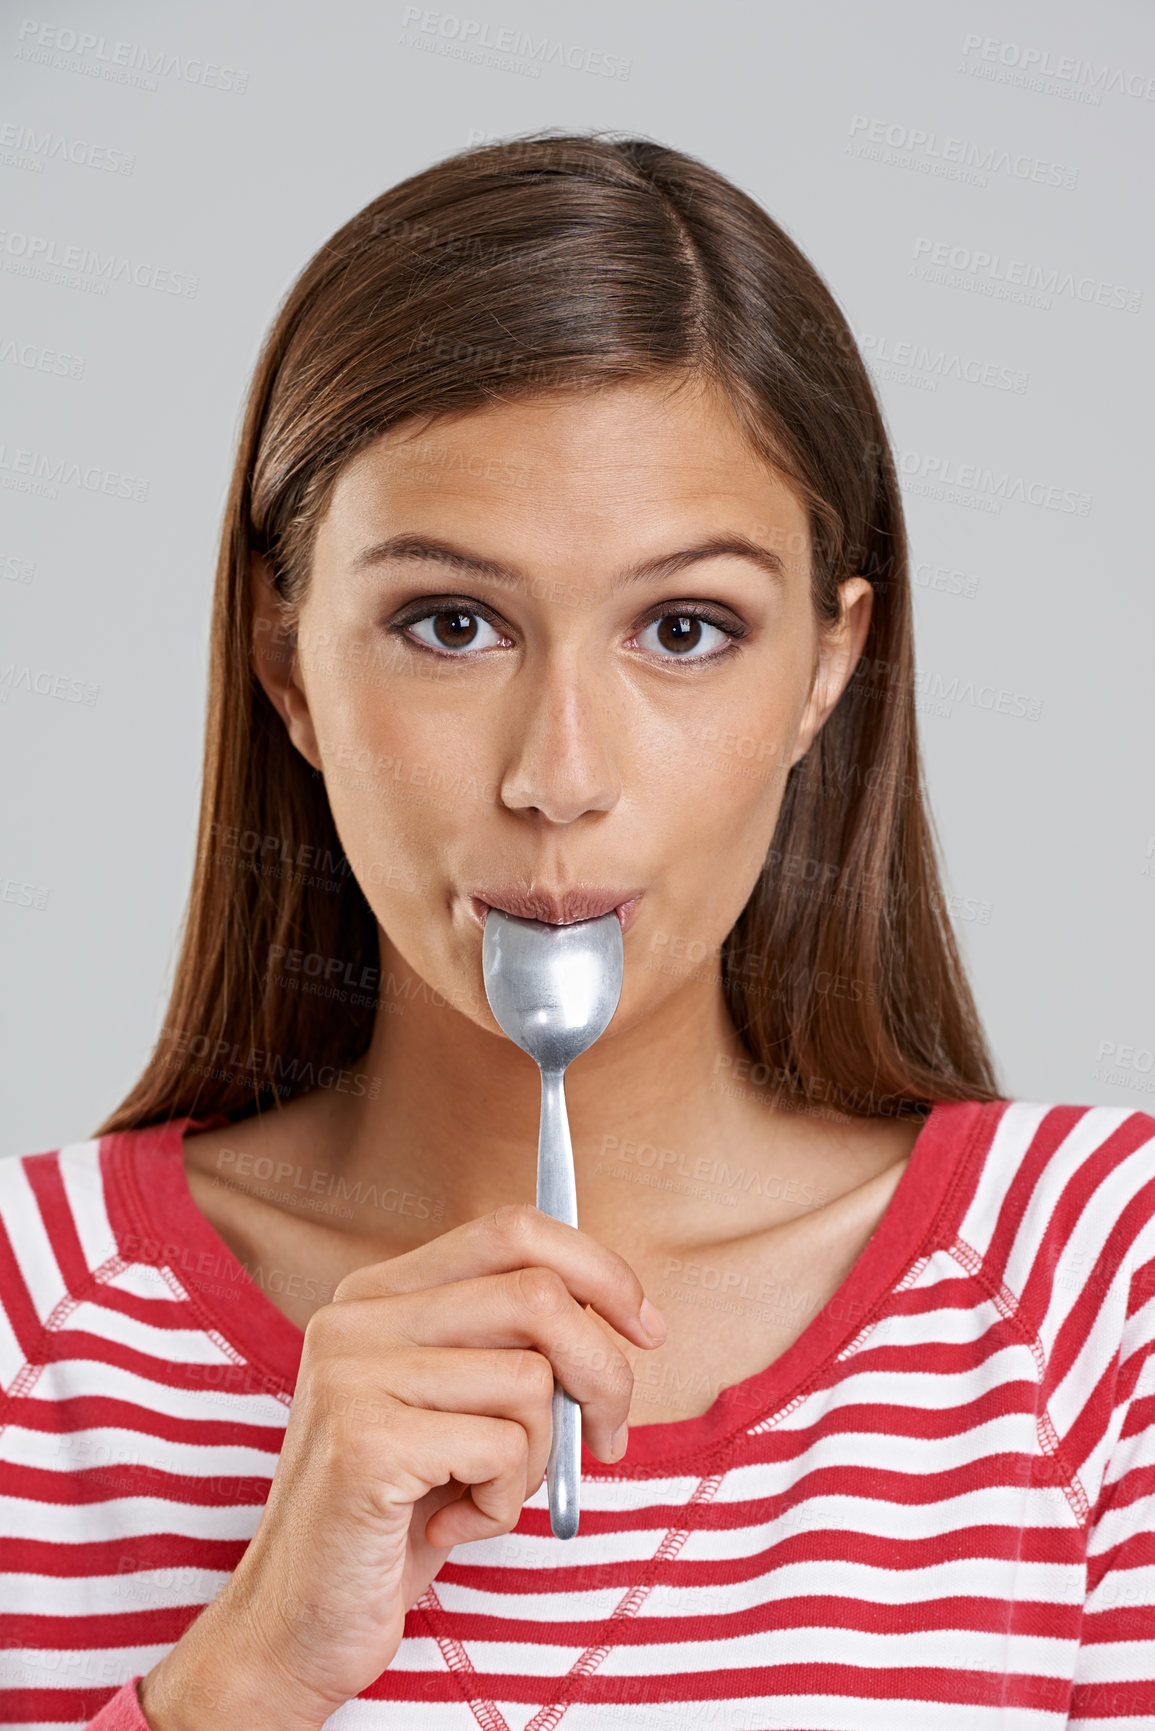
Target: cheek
{"points": [[750, 760], [402, 781]]}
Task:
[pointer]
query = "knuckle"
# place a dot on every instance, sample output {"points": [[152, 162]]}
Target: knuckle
{"points": [[320, 1335], [514, 1222], [349, 1287], [532, 1373], [542, 1291], [328, 1387], [331, 1329], [514, 1447]]}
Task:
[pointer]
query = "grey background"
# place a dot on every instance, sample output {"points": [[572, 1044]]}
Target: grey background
{"points": [[1047, 819]]}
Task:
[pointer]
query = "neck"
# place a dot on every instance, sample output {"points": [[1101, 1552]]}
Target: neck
{"points": [[667, 1149]]}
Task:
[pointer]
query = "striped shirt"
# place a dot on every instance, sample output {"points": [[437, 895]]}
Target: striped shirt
{"points": [[936, 1508]]}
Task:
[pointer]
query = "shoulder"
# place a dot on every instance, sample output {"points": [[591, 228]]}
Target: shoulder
{"points": [[68, 1176], [1063, 1189], [1050, 1153], [54, 1229]]}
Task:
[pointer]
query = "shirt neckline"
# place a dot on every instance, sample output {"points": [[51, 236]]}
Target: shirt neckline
{"points": [[155, 1219]]}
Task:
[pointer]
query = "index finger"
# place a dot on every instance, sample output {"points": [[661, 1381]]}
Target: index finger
{"points": [[518, 1235]]}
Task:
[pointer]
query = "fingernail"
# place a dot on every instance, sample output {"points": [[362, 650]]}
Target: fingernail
{"points": [[652, 1320], [619, 1439]]}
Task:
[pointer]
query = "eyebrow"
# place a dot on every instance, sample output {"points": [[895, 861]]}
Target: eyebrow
{"points": [[423, 547]]}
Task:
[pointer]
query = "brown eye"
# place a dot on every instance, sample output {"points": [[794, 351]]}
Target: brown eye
{"points": [[681, 635], [453, 629]]}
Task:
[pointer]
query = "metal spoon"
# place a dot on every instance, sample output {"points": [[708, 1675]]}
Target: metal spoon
{"points": [[553, 990]]}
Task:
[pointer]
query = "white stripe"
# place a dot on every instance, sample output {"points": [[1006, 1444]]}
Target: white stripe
{"points": [[1099, 1346], [73, 1377], [124, 1518], [1053, 1583], [30, 1242], [998, 1505], [105, 1449], [918, 1389], [142, 1280], [1076, 1150], [1013, 1135], [86, 1595], [1116, 1525], [82, 1668], [1093, 1358], [954, 1647], [1116, 1662], [798, 1712], [876, 1450], [84, 1189], [1124, 1590], [11, 1354], [176, 1345]]}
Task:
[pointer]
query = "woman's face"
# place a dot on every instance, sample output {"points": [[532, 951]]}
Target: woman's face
{"points": [[561, 645]]}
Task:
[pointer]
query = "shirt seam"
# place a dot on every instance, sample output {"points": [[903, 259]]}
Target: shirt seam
{"points": [[594, 1655], [933, 1239], [122, 1174], [31, 1369], [1007, 1302]]}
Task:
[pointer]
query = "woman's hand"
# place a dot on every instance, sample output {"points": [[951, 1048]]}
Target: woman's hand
{"points": [[421, 1420]]}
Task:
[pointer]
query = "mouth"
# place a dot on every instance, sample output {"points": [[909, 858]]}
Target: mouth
{"points": [[564, 910]]}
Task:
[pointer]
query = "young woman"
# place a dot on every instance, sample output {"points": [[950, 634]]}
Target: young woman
{"points": [[564, 571]]}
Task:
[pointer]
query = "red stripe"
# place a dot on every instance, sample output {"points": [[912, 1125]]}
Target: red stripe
{"points": [[127, 1554], [18, 1306], [102, 1412], [954, 1685], [1053, 1130], [823, 1545], [47, 1184], [893, 1418], [1078, 1196], [967, 1614], [75, 1488], [1115, 1701], [1140, 1414], [214, 1378], [55, 1706], [95, 1629]]}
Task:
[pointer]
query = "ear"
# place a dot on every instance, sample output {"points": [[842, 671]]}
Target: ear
{"points": [[838, 652], [274, 660]]}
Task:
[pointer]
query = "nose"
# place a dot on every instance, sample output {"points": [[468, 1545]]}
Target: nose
{"points": [[560, 741]]}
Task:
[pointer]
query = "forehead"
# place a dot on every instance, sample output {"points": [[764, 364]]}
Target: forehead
{"points": [[618, 460]]}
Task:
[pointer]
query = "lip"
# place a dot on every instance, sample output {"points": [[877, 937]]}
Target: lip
{"points": [[556, 910]]}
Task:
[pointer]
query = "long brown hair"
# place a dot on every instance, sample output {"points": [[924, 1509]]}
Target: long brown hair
{"points": [[545, 261]]}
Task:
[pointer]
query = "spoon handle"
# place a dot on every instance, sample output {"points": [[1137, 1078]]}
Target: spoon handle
{"points": [[557, 1195]]}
